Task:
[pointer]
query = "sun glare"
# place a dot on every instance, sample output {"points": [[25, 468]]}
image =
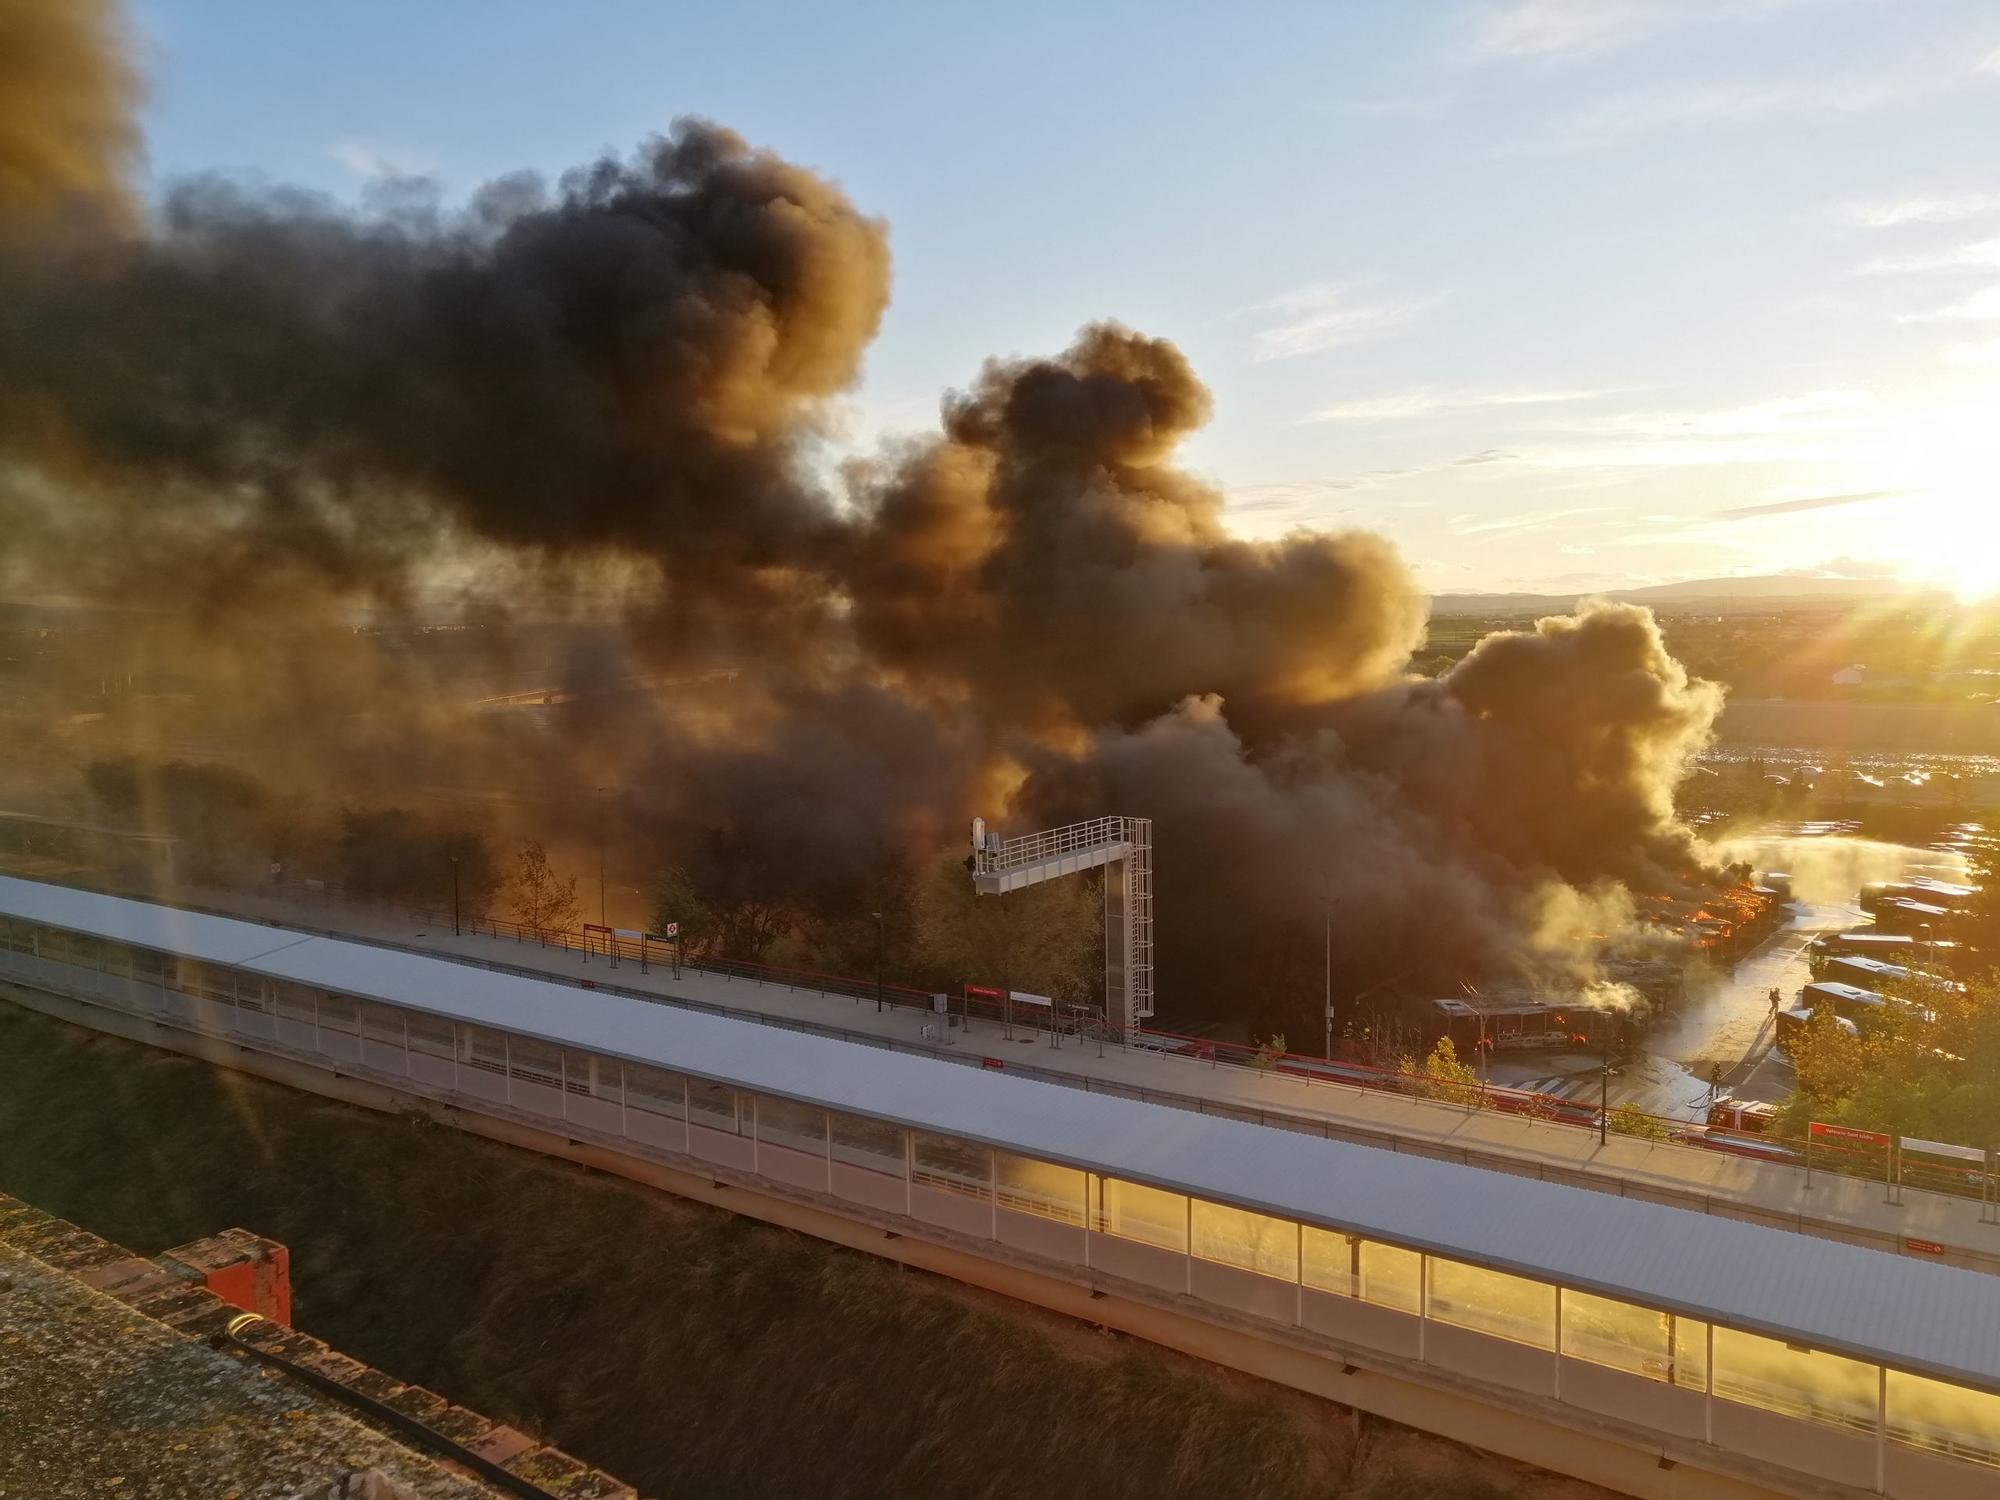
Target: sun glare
{"points": [[1948, 529]]}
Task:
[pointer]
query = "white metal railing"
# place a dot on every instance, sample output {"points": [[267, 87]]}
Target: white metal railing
{"points": [[1054, 842]]}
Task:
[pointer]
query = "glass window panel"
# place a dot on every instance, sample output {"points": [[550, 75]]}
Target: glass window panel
{"points": [[52, 944], [430, 1035], [784, 1122], [1806, 1383], [253, 994], [477, 1047], [19, 937], [1392, 1277], [1946, 1419], [534, 1062], [1659, 1346], [714, 1106], [655, 1090], [117, 959], [152, 967], [1332, 1261], [954, 1165], [339, 1013], [85, 952], [382, 1023], [205, 981], [1251, 1242], [1039, 1187], [1493, 1302], [868, 1143], [589, 1076], [294, 1002], [1135, 1212]]}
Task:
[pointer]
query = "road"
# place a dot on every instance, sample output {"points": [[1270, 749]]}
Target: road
{"points": [[1726, 1026]]}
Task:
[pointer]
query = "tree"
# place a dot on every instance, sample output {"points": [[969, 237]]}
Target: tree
{"points": [[676, 899], [1443, 1076], [1270, 1052], [1927, 1064], [1629, 1119], [391, 856], [540, 899], [1045, 940]]}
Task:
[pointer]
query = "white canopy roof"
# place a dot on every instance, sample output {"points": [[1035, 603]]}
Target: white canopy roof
{"points": [[1920, 1317]]}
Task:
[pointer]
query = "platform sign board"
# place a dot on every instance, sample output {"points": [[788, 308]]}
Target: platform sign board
{"points": [[1821, 1131], [1862, 1152], [1944, 1166], [1022, 997], [1944, 1148]]}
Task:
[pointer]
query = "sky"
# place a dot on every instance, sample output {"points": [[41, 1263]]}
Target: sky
{"points": [[1559, 294]]}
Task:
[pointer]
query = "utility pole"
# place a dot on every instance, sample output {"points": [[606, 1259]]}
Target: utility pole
{"points": [[1604, 1092], [879, 940], [1328, 1052], [602, 920]]}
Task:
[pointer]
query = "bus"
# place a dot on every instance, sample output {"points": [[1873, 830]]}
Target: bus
{"points": [[1889, 947], [1875, 973], [1937, 893], [1848, 1001]]}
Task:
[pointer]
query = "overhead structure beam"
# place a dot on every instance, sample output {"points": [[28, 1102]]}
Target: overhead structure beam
{"points": [[1123, 849]]}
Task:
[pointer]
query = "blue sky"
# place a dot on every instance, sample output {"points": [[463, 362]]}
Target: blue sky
{"points": [[1558, 293]]}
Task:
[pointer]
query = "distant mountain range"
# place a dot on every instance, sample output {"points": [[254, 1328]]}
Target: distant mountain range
{"points": [[1774, 592]]}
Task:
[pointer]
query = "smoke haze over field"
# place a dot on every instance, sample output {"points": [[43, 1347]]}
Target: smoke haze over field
{"points": [[261, 409]]}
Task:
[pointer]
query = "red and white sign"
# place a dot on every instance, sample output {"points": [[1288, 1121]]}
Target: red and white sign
{"points": [[1923, 1247], [982, 990], [673, 930], [1824, 1132]]}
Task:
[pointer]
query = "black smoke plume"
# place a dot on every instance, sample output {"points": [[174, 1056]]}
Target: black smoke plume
{"points": [[260, 421]]}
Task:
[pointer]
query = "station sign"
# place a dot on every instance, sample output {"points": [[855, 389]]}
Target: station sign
{"points": [[1821, 1131]]}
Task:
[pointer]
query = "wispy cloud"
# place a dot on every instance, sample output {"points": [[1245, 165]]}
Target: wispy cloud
{"points": [[1990, 63], [1529, 521], [1808, 502], [1392, 107], [1981, 306], [1975, 254], [372, 161], [1696, 106], [1972, 355], [1565, 30], [1807, 426], [1323, 316], [1932, 208], [1429, 401]]}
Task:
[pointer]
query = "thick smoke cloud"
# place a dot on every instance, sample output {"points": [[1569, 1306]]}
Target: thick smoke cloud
{"points": [[66, 96], [627, 364], [263, 406], [1045, 556]]}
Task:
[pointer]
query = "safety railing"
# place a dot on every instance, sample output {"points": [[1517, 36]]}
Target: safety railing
{"points": [[1828, 1154]]}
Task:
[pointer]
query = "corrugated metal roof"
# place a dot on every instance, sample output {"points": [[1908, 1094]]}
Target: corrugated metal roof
{"points": [[1927, 1318]]}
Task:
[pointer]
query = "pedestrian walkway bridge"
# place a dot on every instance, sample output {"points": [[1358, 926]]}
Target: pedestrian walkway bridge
{"points": [[1659, 1352]]}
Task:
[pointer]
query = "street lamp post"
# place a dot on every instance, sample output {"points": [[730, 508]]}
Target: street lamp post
{"points": [[602, 920], [1328, 1052], [1604, 1092], [879, 941], [454, 896]]}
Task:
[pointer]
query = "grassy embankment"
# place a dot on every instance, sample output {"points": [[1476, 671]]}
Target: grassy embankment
{"points": [[688, 1351]]}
